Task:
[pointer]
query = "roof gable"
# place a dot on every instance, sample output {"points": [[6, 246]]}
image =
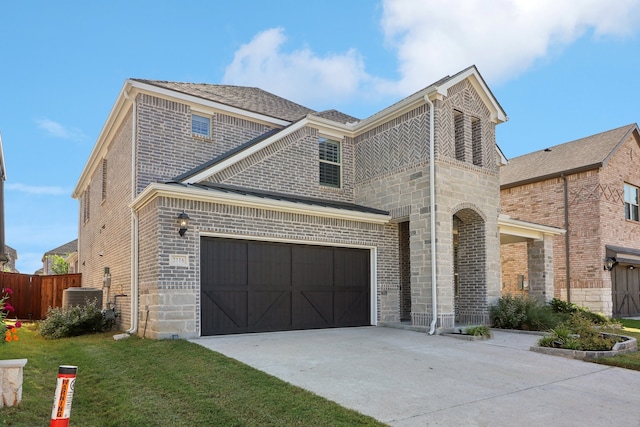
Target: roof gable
{"points": [[582, 154]]}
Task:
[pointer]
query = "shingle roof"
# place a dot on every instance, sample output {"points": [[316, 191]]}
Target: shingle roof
{"points": [[336, 116], [247, 98], [309, 201], [65, 249], [581, 154]]}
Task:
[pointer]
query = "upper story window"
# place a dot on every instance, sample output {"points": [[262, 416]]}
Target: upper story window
{"points": [[200, 125], [330, 162], [631, 202]]}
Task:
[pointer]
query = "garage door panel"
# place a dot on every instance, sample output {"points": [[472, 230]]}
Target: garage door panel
{"points": [[270, 264], [251, 286], [226, 261], [352, 308], [270, 311], [225, 311], [313, 309], [351, 266], [312, 266]]}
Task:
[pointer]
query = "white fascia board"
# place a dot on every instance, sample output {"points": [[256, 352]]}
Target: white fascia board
{"points": [[497, 114], [190, 99], [515, 227], [100, 148], [244, 153], [166, 190]]}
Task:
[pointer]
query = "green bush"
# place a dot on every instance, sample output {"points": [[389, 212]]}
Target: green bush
{"points": [[478, 331], [578, 333], [73, 321], [522, 312], [564, 307]]}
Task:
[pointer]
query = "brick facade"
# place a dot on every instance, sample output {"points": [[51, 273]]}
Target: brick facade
{"points": [[385, 166], [596, 219]]}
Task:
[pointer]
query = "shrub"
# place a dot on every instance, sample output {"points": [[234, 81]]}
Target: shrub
{"points": [[578, 333], [522, 312], [73, 321], [478, 331], [564, 307]]}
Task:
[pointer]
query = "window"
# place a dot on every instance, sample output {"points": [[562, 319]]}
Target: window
{"points": [[104, 179], [329, 162], [476, 141], [631, 202], [85, 204], [200, 125], [458, 132]]}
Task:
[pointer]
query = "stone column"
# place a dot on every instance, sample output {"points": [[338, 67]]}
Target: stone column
{"points": [[540, 262]]}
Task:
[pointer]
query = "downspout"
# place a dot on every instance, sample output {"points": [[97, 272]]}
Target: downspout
{"points": [[432, 214], [134, 224], [566, 236]]}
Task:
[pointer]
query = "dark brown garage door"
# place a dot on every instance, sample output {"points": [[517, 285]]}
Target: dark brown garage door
{"points": [[250, 286]]}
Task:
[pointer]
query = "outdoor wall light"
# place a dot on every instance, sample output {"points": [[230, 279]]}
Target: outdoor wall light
{"points": [[609, 263], [183, 223]]}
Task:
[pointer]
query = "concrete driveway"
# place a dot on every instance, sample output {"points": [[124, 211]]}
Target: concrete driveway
{"points": [[406, 378]]}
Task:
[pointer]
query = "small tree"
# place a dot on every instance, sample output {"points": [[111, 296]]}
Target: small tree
{"points": [[58, 264]]}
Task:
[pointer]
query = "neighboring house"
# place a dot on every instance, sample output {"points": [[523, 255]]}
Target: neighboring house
{"points": [[12, 257], [68, 251], [590, 188], [296, 218]]}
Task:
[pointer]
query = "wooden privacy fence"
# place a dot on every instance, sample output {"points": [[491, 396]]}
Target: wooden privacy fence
{"points": [[33, 295]]}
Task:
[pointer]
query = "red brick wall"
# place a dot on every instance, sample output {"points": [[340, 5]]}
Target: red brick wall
{"points": [[596, 218]]}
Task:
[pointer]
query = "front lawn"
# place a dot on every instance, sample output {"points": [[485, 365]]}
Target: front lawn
{"points": [[144, 382]]}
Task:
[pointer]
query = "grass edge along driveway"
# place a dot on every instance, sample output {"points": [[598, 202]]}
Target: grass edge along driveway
{"points": [[138, 382]]}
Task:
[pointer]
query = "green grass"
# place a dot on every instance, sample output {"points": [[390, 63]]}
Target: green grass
{"points": [[629, 360], [136, 382]]}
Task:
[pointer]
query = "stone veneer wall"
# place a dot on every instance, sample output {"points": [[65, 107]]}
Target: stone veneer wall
{"points": [[392, 173]]}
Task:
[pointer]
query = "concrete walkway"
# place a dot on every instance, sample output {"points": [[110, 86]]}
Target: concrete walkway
{"points": [[406, 378]]}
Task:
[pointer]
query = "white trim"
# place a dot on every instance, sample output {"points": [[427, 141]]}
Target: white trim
{"points": [[166, 190], [373, 251], [206, 173]]}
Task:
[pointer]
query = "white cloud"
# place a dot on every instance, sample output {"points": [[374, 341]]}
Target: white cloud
{"points": [[59, 131], [300, 75], [502, 37], [38, 190], [432, 39]]}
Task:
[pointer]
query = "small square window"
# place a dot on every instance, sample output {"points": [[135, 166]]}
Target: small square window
{"points": [[200, 125]]}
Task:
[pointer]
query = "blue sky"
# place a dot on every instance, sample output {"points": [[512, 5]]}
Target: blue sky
{"points": [[561, 70]]}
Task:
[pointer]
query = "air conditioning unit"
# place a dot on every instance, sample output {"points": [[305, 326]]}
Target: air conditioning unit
{"points": [[72, 297]]}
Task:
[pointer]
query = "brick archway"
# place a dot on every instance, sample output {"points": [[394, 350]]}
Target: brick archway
{"points": [[469, 266]]}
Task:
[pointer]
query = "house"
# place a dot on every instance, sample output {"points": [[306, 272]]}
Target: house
{"points": [[213, 209], [588, 187], [68, 251]]}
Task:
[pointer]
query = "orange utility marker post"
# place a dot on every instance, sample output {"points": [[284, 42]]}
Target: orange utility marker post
{"points": [[64, 396]]}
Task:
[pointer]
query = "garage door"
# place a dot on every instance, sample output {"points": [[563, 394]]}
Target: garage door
{"points": [[251, 286]]}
